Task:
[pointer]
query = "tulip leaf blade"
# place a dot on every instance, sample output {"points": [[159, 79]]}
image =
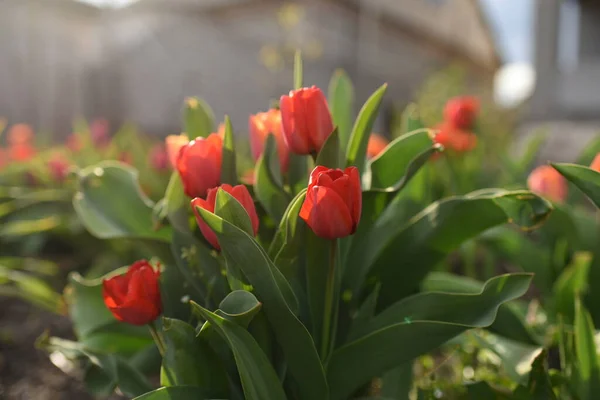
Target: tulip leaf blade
{"points": [[228, 165], [259, 379], [329, 156], [190, 361], [239, 306], [341, 100], [585, 350], [230, 209], [411, 120], [426, 321], [296, 343], [198, 118], [268, 184], [388, 171], [428, 237], [176, 393], [176, 204], [586, 179], [298, 70], [108, 216], [356, 152]]}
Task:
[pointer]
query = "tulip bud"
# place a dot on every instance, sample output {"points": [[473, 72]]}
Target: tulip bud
{"points": [[240, 193], [174, 143], [159, 159], [377, 143], [261, 125], [548, 182], [248, 177], [595, 165], [134, 297], [461, 111], [58, 166], [306, 120], [199, 165], [455, 139], [333, 202]]}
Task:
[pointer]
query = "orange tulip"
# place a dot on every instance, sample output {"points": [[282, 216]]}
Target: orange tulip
{"points": [[595, 165], [19, 135], [377, 143], [261, 125], [306, 120], [174, 143], [548, 182], [21, 152]]}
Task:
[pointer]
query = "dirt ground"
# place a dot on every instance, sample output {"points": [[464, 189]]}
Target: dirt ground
{"points": [[26, 372]]}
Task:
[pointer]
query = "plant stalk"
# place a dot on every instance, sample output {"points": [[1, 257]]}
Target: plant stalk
{"points": [[160, 344], [330, 311]]}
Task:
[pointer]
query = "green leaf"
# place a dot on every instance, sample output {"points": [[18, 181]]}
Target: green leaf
{"points": [[259, 380], [386, 171], [295, 341], [329, 156], [411, 120], [540, 386], [298, 75], [268, 186], [401, 255], [176, 393], [341, 99], [228, 167], [230, 209], [111, 205], [240, 306], [356, 153], [571, 284], [190, 360], [198, 118], [177, 204], [586, 179], [587, 356], [298, 173], [511, 319], [29, 288], [425, 321]]}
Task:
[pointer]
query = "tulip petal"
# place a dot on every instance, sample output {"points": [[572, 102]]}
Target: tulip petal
{"points": [[242, 195], [355, 193], [326, 213], [208, 234]]}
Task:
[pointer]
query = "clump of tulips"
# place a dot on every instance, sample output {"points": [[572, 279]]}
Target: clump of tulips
{"points": [[302, 281]]}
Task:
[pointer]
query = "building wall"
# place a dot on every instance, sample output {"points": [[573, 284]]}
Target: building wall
{"points": [[45, 52], [158, 58]]}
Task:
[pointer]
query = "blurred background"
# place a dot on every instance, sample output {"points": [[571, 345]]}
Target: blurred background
{"points": [[135, 60]]}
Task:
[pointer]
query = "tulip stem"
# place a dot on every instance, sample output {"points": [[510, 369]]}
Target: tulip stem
{"points": [[160, 344], [330, 311]]}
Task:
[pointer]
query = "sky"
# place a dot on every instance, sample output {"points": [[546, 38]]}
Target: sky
{"points": [[512, 23]]}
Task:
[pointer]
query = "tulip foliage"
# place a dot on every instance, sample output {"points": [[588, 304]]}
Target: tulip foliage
{"points": [[306, 284]]}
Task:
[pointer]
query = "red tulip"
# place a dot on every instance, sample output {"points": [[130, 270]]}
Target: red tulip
{"points": [[134, 297], [19, 134], [174, 143], [58, 166], [261, 125], [240, 193], [455, 139], [333, 202], [548, 182], [595, 165], [199, 165], [306, 120], [377, 143], [461, 111], [159, 159]]}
